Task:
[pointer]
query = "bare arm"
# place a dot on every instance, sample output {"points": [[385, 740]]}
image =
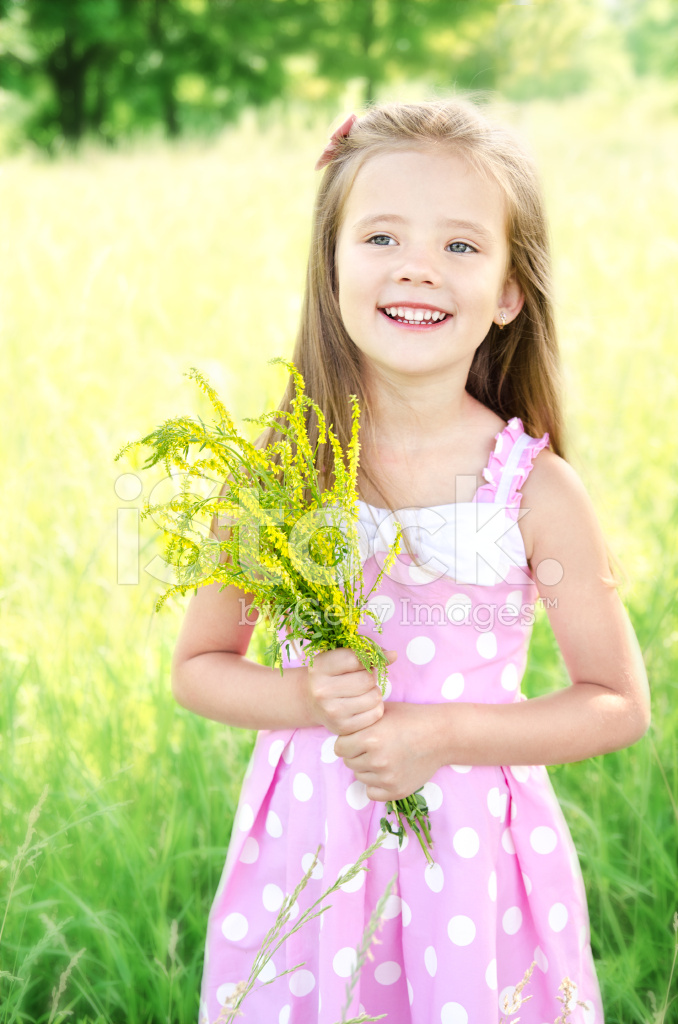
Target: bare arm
{"points": [[607, 705], [212, 676]]}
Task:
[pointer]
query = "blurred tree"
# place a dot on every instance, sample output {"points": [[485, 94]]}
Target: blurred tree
{"points": [[379, 40], [111, 67], [651, 29]]}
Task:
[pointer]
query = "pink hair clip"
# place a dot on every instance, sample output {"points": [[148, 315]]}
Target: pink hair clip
{"points": [[343, 130]]}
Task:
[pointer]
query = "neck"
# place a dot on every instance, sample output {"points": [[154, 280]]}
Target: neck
{"points": [[418, 414]]}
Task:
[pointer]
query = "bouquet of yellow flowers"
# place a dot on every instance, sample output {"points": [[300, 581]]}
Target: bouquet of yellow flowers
{"points": [[295, 547]]}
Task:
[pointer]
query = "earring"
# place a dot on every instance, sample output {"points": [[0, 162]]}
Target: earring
{"points": [[502, 317]]}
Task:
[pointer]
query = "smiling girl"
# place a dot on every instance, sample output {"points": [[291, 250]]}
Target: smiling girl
{"points": [[428, 297]]}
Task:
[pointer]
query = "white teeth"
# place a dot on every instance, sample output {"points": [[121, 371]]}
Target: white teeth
{"points": [[414, 316]]}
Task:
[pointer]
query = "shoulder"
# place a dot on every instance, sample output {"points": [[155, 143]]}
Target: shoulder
{"points": [[558, 503]]}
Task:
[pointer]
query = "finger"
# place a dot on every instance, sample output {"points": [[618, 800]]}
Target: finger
{"points": [[339, 660]]}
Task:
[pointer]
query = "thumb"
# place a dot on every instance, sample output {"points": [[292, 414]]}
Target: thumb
{"points": [[391, 655]]}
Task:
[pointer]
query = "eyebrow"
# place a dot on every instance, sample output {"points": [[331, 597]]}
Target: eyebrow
{"points": [[395, 218]]}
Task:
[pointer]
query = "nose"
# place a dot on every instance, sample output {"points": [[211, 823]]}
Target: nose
{"points": [[418, 267]]}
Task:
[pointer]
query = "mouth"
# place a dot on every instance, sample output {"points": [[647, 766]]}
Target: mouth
{"points": [[425, 319]]}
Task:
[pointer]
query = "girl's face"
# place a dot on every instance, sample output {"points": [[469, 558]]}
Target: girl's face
{"points": [[423, 238]]}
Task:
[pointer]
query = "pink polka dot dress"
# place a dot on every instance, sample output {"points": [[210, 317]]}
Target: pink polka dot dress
{"points": [[506, 886]]}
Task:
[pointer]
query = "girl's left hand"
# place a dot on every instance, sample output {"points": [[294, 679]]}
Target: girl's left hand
{"points": [[395, 756]]}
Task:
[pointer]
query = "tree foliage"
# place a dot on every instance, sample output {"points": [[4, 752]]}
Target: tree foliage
{"points": [[111, 67]]}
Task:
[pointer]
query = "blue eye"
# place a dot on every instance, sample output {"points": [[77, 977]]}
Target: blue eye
{"points": [[464, 247], [375, 237]]}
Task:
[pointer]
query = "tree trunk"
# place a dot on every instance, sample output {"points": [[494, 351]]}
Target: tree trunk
{"points": [[367, 38], [68, 71]]}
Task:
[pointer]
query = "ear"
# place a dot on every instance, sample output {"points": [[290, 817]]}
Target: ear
{"points": [[511, 300]]}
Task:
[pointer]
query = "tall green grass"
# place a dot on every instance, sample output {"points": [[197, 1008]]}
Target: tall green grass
{"points": [[118, 271]]}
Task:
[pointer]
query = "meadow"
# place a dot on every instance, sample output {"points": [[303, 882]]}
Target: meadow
{"points": [[118, 271]]}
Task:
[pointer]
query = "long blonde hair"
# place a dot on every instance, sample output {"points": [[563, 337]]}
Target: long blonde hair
{"points": [[515, 371]]}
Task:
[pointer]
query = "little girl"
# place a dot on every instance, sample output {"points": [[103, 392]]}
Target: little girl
{"points": [[428, 297]]}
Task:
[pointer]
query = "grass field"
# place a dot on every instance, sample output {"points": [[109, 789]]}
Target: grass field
{"points": [[118, 272]]}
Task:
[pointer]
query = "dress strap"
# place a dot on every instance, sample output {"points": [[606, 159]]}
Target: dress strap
{"points": [[510, 468], [510, 465]]}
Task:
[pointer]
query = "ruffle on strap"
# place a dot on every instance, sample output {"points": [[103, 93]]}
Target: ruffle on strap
{"points": [[499, 457]]}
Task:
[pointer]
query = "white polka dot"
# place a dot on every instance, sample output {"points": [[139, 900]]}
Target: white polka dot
{"points": [[453, 686], [245, 818], [507, 841], [387, 973], [514, 811], [288, 752], [496, 803], [301, 983], [433, 795], [486, 645], [420, 650], [388, 689], [512, 920], [520, 772], [407, 913], [410, 992], [582, 936], [274, 751], [492, 886], [344, 962], [433, 875], [543, 839], [491, 974], [509, 676], [327, 755], [461, 768], [458, 608], [507, 997], [393, 843], [268, 972], [431, 961], [355, 883], [453, 1013], [302, 787], [224, 991], [558, 917], [273, 825], [234, 927], [284, 1015], [250, 851], [306, 862], [466, 842], [461, 930], [588, 1012], [541, 960], [204, 1019], [294, 911], [272, 896], [383, 606], [514, 601], [356, 795], [527, 883], [499, 443], [392, 907]]}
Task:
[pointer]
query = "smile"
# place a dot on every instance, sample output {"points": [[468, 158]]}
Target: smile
{"points": [[421, 318]]}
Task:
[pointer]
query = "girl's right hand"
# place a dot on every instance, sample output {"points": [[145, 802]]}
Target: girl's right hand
{"points": [[341, 694]]}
